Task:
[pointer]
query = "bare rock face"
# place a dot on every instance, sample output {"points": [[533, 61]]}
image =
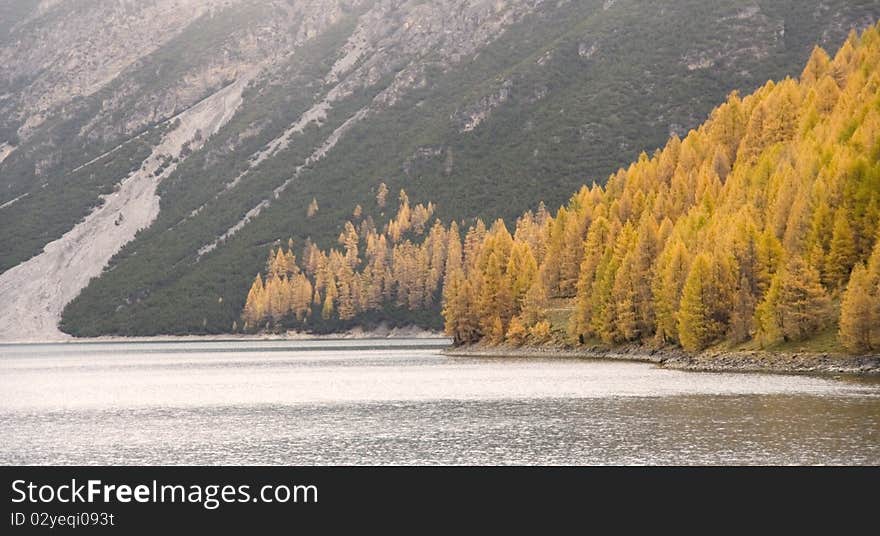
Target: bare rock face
{"points": [[478, 112], [5, 150], [60, 56], [55, 55]]}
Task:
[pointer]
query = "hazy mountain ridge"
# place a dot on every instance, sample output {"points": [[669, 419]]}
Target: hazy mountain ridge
{"points": [[481, 106]]}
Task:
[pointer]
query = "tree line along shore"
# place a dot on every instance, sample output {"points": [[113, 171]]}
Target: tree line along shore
{"points": [[754, 235]]}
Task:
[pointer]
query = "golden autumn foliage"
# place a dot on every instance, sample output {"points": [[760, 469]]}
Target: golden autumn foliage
{"points": [[760, 225], [860, 307], [312, 208], [371, 270], [748, 228]]}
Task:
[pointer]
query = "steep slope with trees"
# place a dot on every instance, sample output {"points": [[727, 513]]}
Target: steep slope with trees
{"points": [[481, 107], [761, 225]]}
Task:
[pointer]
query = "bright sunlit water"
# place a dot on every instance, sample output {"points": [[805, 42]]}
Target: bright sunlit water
{"points": [[402, 402]]}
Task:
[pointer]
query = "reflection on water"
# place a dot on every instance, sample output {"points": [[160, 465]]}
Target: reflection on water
{"points": [[375, 402]]}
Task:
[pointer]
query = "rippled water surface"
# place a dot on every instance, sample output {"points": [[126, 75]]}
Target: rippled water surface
{"points": [[402, 402]]}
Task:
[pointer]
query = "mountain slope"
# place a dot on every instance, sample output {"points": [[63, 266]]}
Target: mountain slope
{"points": [[481, 107]]}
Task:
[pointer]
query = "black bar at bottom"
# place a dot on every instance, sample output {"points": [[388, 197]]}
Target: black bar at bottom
{"points": [[242, 500]]}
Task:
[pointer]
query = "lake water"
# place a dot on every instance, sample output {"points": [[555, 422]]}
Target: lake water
{"points": [[402, 402]]}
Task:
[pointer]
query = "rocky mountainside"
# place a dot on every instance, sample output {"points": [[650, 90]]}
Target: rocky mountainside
{"points": [[146, 168]]}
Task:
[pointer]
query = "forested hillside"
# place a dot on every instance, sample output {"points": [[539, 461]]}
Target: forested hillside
{"points": [[146, 169], [760, 227]]}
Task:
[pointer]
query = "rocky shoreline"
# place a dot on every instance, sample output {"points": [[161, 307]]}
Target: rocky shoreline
{"points": [[712, 361]]}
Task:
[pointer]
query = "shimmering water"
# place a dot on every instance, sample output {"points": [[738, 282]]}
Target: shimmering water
{"points": [[402, 402]]}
